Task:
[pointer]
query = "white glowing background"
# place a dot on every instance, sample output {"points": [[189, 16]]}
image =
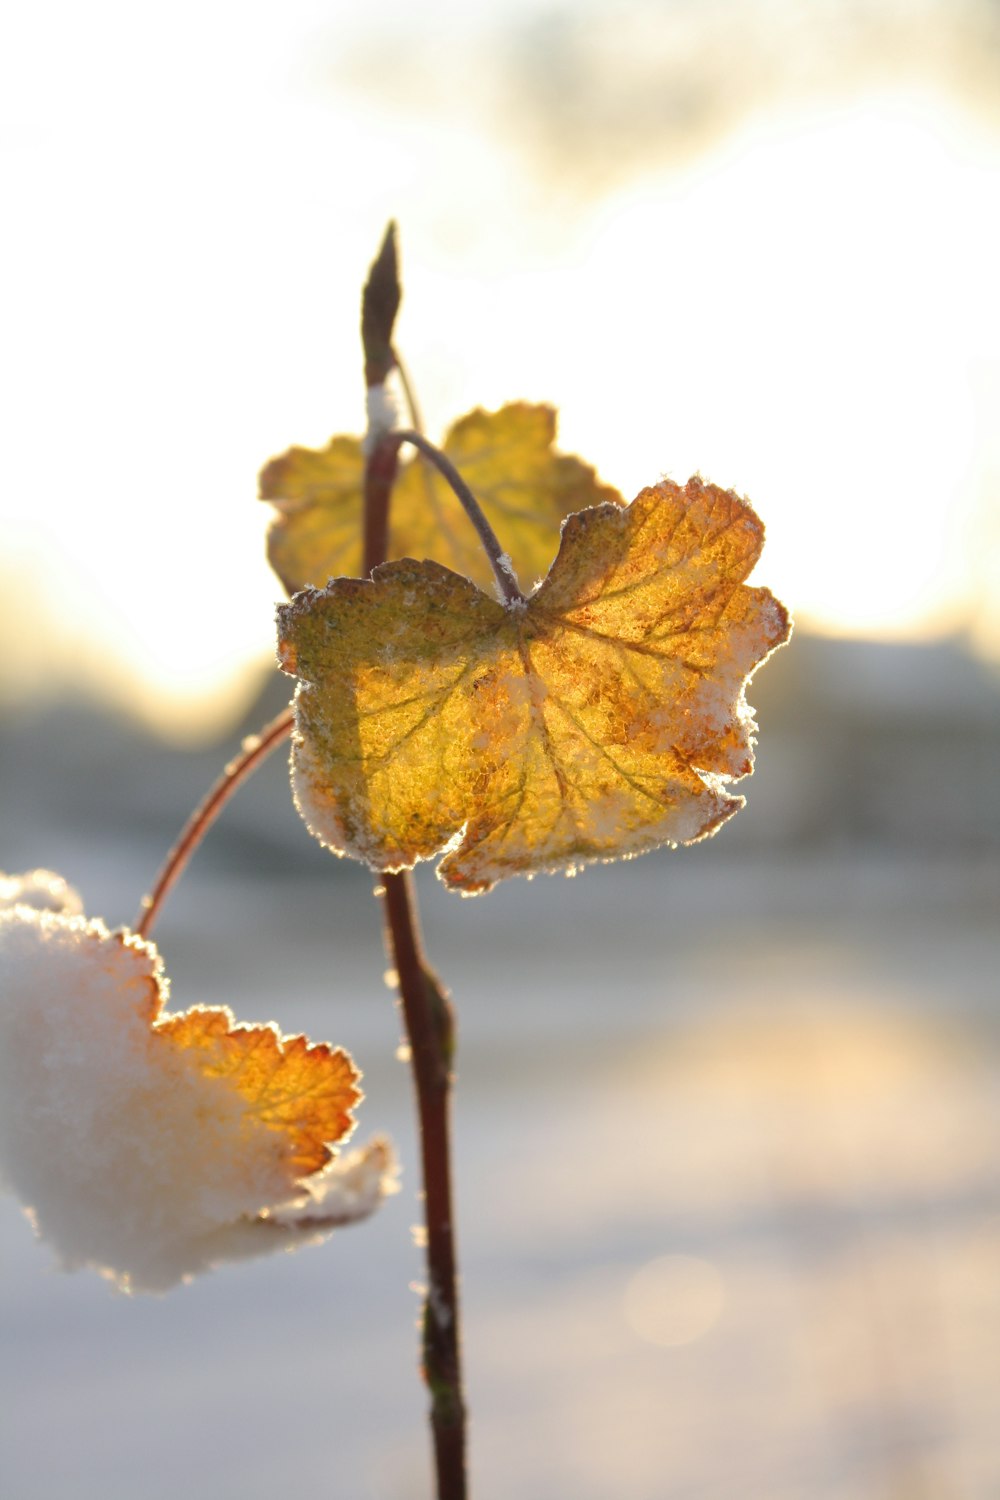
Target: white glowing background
{"points": [[804, 310]]}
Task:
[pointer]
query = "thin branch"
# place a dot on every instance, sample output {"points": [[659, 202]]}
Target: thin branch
{"points": [[503, 571], [429, 1020], [430, 1030], [255, 749]]}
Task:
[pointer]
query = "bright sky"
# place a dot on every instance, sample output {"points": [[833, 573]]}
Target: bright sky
{"points": [[805, 311]]}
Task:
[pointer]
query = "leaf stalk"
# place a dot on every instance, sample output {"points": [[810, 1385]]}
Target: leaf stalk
{"points": [[503, 571], [255, 749]]}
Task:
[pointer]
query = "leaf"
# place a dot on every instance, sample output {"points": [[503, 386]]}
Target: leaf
{"points": [[318, 494], [601, 718], [525, 488], [302, 1089], [153, 1146]]}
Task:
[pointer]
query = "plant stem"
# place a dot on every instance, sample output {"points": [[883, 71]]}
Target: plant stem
{"points": [[380, 475], [430, 1031], [430, 1028], [503, 572], [255, 749]]}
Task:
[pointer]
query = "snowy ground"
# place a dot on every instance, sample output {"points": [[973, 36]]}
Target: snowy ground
{"points": [[729, 1202]]}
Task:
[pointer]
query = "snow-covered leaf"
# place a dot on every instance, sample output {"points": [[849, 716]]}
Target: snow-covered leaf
{"points": [[152, 1146]]}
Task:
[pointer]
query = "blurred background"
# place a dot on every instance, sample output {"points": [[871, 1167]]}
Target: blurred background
{"points": [[728, 1118]]}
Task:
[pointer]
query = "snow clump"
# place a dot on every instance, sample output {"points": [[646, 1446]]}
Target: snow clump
{"points": [[129, 1158]]}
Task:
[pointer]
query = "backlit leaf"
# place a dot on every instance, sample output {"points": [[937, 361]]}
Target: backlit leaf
{"points": [[303, 1090], [600, 718], [316, 534], [507, 458]]}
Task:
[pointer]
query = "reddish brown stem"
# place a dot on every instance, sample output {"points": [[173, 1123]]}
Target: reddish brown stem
{"points": [[255, 749], [430, 1030], [380, 475]]}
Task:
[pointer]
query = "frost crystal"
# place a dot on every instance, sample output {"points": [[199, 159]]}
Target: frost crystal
{"points": [[129, 1155], [348, 1189], [40, 889], [383, 416]]}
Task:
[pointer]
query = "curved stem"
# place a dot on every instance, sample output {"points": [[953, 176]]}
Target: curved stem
{"points": [[255, 749], [503, 572], [409, 394]]}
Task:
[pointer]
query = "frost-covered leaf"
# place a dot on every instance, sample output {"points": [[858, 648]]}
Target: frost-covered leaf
{"points": [[506, 457], [601, 718], [301, 1090], [151, 1146]]}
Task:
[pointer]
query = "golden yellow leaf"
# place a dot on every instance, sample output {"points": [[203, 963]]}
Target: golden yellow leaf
{"points": [[599, 718], [303, 1090], [506, 457], [316, 534]]}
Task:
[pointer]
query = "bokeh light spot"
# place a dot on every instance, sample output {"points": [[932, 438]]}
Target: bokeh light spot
{"points": [[674, 1299]]}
